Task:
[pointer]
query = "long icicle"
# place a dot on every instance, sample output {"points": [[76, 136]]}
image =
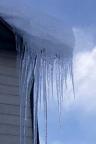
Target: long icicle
{"points": [[41, 66]]}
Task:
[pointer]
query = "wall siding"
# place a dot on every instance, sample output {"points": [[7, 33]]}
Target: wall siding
{"points": [[10, 101]]}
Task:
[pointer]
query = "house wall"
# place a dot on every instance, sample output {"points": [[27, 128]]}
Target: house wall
{"points": [[10, 101]]}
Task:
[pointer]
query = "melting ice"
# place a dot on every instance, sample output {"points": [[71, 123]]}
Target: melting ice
{"points": [[45, 52], [48, 63]]}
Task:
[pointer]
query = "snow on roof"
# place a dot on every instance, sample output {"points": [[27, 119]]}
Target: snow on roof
{"points": [[49, 45], [34, 23]]}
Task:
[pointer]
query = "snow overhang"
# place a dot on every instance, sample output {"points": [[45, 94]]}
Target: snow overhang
{"points": [[44, 32]]}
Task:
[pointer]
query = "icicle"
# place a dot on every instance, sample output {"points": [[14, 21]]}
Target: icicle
{"points": [[24, 79], [46, 71], [45, 98], [19, 47], [72, 78], [36, 97]]}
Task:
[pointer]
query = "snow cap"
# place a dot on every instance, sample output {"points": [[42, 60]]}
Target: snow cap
{"points": [[40, 29]]}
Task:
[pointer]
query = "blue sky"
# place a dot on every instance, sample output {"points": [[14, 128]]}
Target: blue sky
{"points": [[76, 12]]}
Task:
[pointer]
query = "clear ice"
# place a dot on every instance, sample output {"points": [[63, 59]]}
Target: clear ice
{"points": [[49, 72], [45, 54]]}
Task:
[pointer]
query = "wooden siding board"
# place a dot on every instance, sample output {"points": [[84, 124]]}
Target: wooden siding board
{"points": [[8, 62], [9, 89], [10, 72], [12, 110], [10, 101], [12, 119], [9, 109], [7, 53], [8, 80], [13, 130], [7, 139]]}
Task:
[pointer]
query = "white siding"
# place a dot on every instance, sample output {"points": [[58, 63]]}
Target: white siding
{"points": [[10, 101]]}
